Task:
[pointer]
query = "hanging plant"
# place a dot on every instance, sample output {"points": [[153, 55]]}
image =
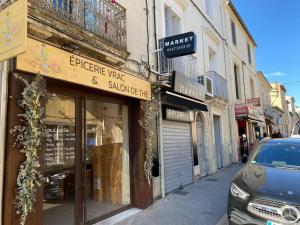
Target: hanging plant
{"points": [[29, 138], [147, 125]]}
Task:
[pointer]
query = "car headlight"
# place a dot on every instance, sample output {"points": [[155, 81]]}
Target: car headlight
{"points": [[238, 192]]}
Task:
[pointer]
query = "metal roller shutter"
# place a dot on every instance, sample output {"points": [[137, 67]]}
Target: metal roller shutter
{"points": [[177, 149]]}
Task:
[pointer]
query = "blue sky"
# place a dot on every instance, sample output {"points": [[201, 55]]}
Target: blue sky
{"points": [[275, 26]]}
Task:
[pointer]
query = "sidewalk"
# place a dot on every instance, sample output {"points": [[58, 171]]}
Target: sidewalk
{"points": [[202, 203]]}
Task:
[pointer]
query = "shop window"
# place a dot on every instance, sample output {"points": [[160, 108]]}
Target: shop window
{"points": [[105, 166], [59, 161], [107, 173]]}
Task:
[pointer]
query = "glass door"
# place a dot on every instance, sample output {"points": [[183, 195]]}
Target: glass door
{"points": [[59, 162], [107, 176]]}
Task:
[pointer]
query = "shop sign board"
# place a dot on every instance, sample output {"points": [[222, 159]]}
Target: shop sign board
{"points": [[180, 45], [179, 115], [253, 112], [254, 101], [189, 87], [41, 58], [241, 109], [13, 30]]}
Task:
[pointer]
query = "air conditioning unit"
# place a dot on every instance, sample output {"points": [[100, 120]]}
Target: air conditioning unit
{"points": [[208, 82]]}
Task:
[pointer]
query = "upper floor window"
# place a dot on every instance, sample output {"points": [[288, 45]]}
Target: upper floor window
{"points": [[212, 56], [249, 53], [172, 22], [233, 32], [209, 8], [252, 88], [236, 79]]}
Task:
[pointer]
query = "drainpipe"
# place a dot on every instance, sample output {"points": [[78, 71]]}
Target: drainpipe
{"points": [[155, 33], [148, 38], [161, 154]]}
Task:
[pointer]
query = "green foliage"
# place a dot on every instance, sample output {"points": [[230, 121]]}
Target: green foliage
{"points": [[29, 138], [146, 123]]}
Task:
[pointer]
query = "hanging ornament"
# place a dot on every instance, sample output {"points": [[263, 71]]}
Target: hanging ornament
{"points": [[113, 1]]}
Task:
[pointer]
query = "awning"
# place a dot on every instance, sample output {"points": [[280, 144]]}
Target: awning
{"points": [[271, 122], [177, 100], [249, 118]]}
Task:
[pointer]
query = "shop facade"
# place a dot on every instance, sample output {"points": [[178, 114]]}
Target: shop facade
{"points": [[183, 142], [251, 125], [93, 158]]}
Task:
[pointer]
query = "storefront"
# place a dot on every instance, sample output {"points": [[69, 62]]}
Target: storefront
{"points": [[182, 131], [250, 123], [93, 158]]}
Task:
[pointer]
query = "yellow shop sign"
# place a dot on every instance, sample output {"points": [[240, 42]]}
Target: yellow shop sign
{"points": [[13, 30], [44, 59]]}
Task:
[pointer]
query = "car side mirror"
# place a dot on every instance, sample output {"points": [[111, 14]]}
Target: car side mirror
{"points": [[244, 159]]}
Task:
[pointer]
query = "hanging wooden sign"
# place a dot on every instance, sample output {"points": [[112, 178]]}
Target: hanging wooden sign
{"points": [[13, 30]]}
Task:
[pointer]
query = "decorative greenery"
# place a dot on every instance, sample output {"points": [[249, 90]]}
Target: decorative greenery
{"points": [[147, 125], [29, 138]]}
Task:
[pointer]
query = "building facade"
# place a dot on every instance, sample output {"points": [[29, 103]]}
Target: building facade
{"points": [[243, 85], [96, 71], [198, 144], [279, 103], [265, 102], [293, 115], [102, 61]]}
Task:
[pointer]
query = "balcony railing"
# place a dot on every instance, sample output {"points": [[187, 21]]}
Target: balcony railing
{"points": [[220, 88], [185, 65], [104, 18]]}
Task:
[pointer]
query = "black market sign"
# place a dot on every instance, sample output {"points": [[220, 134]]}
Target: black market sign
{"points": [[189, 87], [179, 115], [180, 45]]}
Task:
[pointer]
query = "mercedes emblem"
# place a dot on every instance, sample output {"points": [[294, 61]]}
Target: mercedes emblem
{"points": [[290, 214]]}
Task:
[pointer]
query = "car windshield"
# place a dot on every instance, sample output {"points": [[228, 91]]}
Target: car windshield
{"points": [[278, 155]]}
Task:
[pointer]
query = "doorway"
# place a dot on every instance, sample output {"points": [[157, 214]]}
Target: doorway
{"points": [[218, 143], [95, 178]]}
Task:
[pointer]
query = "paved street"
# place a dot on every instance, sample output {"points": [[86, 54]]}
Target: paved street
{"points": [[202, 203]]}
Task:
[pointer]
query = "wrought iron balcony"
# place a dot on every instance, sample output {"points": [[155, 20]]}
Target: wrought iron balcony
{"points": [[185, 65], [104, 18], [220, 88]]}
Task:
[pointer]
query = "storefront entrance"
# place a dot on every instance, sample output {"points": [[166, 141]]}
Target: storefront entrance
{"points": [[93, 158], [105, 166]]}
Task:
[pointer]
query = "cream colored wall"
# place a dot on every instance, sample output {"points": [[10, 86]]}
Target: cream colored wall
{"points": [[264, 89], [225, 137], [276, 96], [238, 54], [210, 33], [137, 36], [3, 107], [192, 20]]}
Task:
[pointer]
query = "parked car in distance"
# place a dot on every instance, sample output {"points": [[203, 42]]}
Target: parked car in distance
{"points": [[266, 191]]}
